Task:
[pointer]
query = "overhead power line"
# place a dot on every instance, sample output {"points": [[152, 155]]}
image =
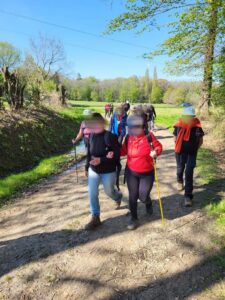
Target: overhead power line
{"points": [[70, 29], [80, 46]]}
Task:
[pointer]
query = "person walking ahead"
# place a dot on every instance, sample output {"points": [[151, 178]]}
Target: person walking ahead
{"points": [[141, 150], [84, 131], [188, 135], [100, 168]]}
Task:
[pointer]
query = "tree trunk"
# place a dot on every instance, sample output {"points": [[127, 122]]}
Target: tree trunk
{"points": [[209, 58]]}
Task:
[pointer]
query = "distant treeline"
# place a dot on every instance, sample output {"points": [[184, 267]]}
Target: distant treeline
{"points": [[134, 89]]}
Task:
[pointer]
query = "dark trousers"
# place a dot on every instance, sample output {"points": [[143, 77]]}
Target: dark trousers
{"points": [[139, 187], [186, 164]]}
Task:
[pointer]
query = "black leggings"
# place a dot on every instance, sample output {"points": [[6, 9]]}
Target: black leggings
{"points": [[139, 187]]}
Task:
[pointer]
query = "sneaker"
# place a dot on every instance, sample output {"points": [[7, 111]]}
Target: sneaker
{"points": [[187, 202], [133, 224], [180, 186], [94, 222], [149, 208]]}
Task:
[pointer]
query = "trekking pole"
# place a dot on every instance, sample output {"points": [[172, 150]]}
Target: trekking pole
{"points": [[158, 192], [75, 156]]}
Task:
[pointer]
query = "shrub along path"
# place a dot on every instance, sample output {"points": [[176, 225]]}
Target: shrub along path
{"points": [[45, 253]]}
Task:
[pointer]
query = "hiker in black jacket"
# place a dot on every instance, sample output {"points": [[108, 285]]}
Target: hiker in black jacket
{"points": [[100, 168]]}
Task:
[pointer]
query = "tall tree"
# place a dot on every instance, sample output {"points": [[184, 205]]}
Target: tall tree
{"points": [[147, 85], [48, 54], [196, 37], [12, 86], [155, 75]]}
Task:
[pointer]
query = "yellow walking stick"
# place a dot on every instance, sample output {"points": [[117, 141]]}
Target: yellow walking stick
{"points": [[158, 192]]}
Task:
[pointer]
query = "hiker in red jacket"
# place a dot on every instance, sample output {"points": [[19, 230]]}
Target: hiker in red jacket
{"points": [[188, 136], [141, 150], [107, 110]]}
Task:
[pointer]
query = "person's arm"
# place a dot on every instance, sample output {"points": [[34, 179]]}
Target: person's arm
{"points": [[175, 134], [156, 145], [88, 158], [200, 134], [115, 148], [78, 137], [200, 141]]}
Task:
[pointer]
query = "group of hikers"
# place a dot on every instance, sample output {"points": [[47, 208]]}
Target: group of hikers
{"points": [[130, 134]]}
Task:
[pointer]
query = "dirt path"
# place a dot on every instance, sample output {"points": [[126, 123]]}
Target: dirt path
{"points": [[45, 253]]}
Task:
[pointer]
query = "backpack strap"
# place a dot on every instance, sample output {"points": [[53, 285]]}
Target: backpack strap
{"points": [[149, 138], [107, 139], [126, 140]]}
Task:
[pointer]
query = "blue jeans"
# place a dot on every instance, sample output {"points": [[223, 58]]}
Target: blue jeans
{"points": [[108, 180]]}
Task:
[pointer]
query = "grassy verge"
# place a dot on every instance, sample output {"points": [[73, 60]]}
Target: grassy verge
{"points": [[17, 182]]}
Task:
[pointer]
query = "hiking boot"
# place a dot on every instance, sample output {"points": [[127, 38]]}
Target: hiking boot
{"points": [[149, 208], [95, 222], [133, 224], [117, 204], [187, 202], [180, 186]]}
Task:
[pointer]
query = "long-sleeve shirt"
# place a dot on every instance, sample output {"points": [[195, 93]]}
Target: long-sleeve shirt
{"points": [[99, 145]]}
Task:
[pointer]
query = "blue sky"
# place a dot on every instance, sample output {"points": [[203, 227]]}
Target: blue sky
{"points": [[90, 16]]}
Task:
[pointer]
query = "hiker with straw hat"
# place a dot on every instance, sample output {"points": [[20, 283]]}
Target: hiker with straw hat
{"points": [[188, 136]]}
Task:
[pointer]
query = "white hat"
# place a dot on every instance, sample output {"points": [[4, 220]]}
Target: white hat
{"points": [[87, 112]]}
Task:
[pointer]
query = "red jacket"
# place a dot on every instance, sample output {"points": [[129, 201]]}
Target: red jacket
{"points": [[138, 153]]}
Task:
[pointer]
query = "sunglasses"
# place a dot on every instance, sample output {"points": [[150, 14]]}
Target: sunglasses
{"points": [[135, 127]]}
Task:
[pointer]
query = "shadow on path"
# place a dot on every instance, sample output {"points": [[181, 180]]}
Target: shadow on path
{"points": [[18, 252]]}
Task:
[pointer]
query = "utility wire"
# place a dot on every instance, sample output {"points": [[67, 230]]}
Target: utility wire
{"points": [[80, 46], [70, 28]]}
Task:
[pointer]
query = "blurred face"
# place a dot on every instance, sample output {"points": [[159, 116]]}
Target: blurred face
{"points": [[119, 111], [135, 130], [96, 126], [187, 119]]}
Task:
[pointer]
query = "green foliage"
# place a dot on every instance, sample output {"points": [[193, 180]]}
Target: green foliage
{"points": [[26, 140], [48, 86], [108, 95], [189, 31], [9, 55], [94, 96], [196, 35], [156, 94], [218, 95], [217, 209], [206, 166]]}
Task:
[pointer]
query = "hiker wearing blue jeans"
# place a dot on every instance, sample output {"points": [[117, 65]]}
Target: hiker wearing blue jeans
{"points": [[108, 180], [100, 167]]}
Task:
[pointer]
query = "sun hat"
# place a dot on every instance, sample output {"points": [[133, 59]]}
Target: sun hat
{"points": [[189, 111]]}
